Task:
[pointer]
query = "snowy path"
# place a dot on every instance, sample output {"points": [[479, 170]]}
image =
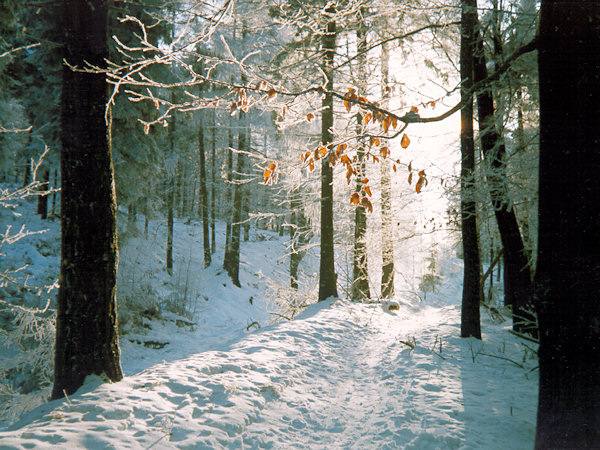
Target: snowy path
{"points": [[338, 377]]}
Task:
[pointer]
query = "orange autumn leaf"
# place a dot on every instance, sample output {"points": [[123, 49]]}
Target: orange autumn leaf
{"points": [[422, 182], [271, 93], [384, 152], [354, 198], [368, 190], [267, 175], [366, 203], [365, 180], [348, 175], [311, 165], [394, 167], [322, 151], [347, 105], [386, 123], [410, 178], [405, 141], [368, 117], [394, 122], [375, 141], [310, 116], [345, 160], [414, 109]]}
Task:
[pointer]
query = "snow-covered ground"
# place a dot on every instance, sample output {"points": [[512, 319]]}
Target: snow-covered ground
{"points": [[341, 375]]}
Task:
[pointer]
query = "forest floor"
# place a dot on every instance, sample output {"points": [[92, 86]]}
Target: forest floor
{"points": [[340, 375]]}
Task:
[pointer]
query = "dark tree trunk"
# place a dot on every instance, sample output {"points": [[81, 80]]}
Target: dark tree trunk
{"points": [[27, 174], [229, 197], [299, 236], [470, 321], [567, 283], [245, 216], [203, 193], [232, 265], [213, 171], [87, 339], [327, 276], [176, 181], [387, 233], [170, 199], [518, 287], [54, 193], [42, 206]]}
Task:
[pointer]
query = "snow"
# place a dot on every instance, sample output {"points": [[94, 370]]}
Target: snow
{"points": [[340, 375]]}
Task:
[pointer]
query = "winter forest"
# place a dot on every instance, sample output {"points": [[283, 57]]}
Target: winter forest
{"points": [[299, 224]]}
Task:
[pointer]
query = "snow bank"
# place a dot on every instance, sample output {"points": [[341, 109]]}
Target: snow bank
{"points": [[343, 375]]}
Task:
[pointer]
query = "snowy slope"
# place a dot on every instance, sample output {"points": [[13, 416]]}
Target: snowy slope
{"points": [[342, 375], [338, 377]]}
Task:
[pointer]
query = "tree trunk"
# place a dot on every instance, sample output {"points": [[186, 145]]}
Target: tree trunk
{"points": [[567, 283], [470, 319], [360, 274], [327, 276], [27, 174], [229, 197], [42, 206], [232, 265], [87, 340], [518, 288], [213, 171], [387, 231], [298, 236], [245, 216], [203, 192], [54, 193], [170, 198]]}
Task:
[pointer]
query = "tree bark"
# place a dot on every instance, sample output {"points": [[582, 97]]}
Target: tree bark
{"points": [[213, 171], [203, 192], [87, 339], [170, 198], [42, 206], [360, 274], [229, 197], [518, 287], [299, 236], [232, 265], [470, 319], [327, 276], [387, 232], [567, 283], [27, 174], [54, 193]]}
